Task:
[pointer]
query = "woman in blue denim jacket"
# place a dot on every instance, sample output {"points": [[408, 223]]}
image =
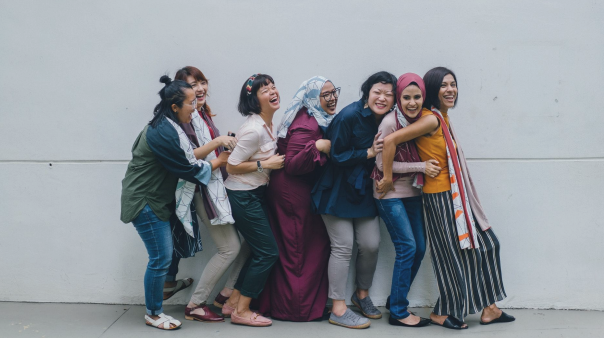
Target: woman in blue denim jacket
{"points": [[344, 197]]}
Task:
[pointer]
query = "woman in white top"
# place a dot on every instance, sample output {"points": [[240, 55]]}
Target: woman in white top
{"points": [[249, 168]]}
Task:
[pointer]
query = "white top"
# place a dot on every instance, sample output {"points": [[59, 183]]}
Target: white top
{"points": [[255, 142]]}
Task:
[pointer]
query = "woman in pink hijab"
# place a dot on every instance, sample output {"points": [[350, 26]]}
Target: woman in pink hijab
{"points": [[401, 207], [464, 249]]}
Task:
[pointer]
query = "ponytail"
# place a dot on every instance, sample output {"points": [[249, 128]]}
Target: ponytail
{"points": [[173, 92]]}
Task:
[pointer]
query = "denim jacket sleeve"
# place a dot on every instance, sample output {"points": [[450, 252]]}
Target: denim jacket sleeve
{"points": [[343, 152]]}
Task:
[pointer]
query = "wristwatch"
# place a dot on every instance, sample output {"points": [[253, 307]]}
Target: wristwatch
{"points": [[260, 169]]}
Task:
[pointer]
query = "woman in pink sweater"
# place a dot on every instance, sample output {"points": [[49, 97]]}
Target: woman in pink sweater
{"points": [[401, 207]]}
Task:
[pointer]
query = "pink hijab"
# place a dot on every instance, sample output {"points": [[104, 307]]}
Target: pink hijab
{"points": [[403, 82], [406, 151]]}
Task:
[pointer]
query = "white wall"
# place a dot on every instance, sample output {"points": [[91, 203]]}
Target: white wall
{"points": [[78, 81]]}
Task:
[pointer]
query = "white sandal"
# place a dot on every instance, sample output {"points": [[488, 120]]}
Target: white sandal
{"points": [[163, 319]]}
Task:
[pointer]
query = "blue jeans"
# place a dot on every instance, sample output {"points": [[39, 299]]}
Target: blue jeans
{"points": [[157, 236], [404, 219]]}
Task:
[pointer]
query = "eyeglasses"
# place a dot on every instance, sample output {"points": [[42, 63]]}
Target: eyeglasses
{"points": [[331, 95], [194, 103]]}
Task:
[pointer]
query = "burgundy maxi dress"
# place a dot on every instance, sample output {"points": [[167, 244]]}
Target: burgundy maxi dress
{"points": [[297, 287]]}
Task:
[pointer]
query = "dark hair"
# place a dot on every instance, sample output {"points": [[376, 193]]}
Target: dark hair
{"points": [[182, 74], [172, 93], [248, 103], [379, 77], [433, 81]]}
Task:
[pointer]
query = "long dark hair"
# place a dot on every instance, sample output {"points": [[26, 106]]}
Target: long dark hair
{"points": [[248, 101], [433, 81], [172, 93], [182, 74]]}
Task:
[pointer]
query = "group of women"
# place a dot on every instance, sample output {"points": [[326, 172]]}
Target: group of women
{"points": [[300, 194]]}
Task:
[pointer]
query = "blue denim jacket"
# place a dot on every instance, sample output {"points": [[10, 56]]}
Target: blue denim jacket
{"points": [[344, 187]]}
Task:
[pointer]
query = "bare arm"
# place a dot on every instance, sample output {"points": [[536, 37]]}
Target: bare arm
{"points": [[221, 160], [247, 145], [225, 141], [274, 162]]}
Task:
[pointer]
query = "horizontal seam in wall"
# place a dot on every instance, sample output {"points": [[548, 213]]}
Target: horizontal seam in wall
{"points": [[552, 159], [65, 161]]}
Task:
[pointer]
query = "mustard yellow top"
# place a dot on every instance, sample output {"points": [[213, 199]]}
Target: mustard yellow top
{"points": [[434, 147]]}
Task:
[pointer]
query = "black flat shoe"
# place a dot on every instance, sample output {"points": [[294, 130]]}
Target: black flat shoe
{"points": [[396, 322], [504, 318], [451, 323]]}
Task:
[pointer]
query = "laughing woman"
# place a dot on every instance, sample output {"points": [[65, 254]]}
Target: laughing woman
{"points": [[204, 135], [297, 287], [165, 167], [344, 197], [464, 248], [249, 167], [401, 208]]}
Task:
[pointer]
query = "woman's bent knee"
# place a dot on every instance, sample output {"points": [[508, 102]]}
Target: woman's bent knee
{"points": [[230, 252]]}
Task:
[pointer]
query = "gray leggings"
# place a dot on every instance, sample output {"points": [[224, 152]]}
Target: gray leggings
{"points": [[230, 251], [343, 232]]}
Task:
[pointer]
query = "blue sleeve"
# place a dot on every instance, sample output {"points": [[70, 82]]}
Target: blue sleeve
{"points": [[165, 145], [342, 151]]}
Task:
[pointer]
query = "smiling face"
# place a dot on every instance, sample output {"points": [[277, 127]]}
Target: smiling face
{"points": [[381, 98], [268, 97], [411, 101], [329, 104], [447, 93], [200, 88], [184, 113]]}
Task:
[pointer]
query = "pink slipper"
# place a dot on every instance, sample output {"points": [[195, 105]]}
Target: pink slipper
{"points": [[254, 320]]}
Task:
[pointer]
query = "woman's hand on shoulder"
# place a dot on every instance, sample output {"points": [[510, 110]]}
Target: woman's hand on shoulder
{"points": [[432, 168], [323, 145]]}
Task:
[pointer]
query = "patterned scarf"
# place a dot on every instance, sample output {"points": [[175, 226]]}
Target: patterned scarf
{"points": [[215, 187], [464, 219], [306, 96], [214, 132]]}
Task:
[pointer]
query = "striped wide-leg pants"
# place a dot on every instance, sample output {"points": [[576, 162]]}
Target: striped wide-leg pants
{"points": [[468, 280]]}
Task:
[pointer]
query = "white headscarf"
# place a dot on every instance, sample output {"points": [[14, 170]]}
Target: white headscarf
{"points": [[306, 96]]}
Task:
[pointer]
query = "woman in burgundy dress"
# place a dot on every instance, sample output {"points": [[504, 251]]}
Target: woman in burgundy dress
{"points": [[297, 287]]}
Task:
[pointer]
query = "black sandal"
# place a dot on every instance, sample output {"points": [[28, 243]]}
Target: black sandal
{"points": [[504, 318], [452, 323], [422, 322]]}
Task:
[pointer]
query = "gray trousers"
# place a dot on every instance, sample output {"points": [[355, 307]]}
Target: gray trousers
{"points": [[230, 251], [343, 232]]}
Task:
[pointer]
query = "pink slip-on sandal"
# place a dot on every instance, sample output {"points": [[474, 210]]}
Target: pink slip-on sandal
{"points": [[255, 320]]}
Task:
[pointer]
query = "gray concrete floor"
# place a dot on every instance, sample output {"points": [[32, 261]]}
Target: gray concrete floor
{"points": [[94, 320]]}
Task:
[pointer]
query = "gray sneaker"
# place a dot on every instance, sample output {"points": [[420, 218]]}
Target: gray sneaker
{"points": [[350, 320], [366, 306]]}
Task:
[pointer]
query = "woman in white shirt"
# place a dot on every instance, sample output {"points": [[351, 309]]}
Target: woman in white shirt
{"points": [[249, 169]]}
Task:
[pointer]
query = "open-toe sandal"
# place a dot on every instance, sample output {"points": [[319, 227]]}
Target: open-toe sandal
{"points": [[163, 322], [504, 318], [452, 323]]}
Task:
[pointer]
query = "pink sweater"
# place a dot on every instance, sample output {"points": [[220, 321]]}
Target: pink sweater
{"points": [[403, 187]]}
